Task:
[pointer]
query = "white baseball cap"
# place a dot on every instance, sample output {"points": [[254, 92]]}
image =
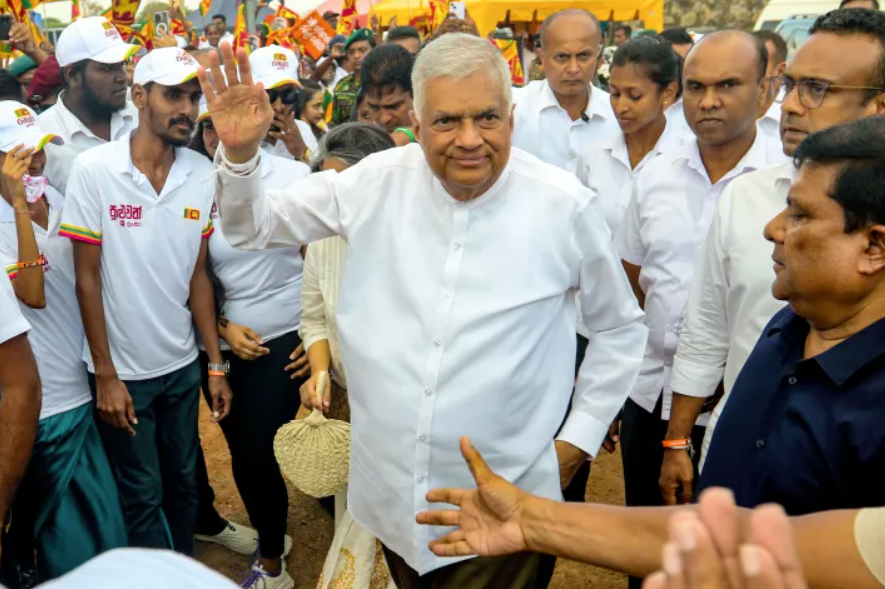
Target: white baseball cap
{"points": [[274, 66], [168, 66], [204, 109], [19, 126], [94, 38]]}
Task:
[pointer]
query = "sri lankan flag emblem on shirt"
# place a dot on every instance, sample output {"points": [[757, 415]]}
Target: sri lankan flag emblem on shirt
{"points": [[192, 214]]}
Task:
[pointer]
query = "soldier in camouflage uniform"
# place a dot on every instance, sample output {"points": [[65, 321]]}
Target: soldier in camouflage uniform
{"points": [[357, 46]]}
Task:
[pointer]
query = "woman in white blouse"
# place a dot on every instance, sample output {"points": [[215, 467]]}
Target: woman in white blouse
{"points": [[645, 75]]}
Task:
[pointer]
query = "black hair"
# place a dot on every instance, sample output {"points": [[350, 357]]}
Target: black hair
{"points": [[388, 66], [858, 148], [403, 32], [308, 89], [221, 16], [844, 2], [858, 21], [780, 46], [627, 29], [76, 69], [654, 55], [350, 143], [10, 87], [677, 36], [545, 26]]}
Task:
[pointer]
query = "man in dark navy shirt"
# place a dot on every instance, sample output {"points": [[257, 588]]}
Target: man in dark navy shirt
{"points": [[805, 424]]}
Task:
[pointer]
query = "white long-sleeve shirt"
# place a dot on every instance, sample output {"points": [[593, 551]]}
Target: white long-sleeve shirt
{"points": [[730, 301], [456, 318]]}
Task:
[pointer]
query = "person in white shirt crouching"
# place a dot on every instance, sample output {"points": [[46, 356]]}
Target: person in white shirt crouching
{"points": [[456, 312]]}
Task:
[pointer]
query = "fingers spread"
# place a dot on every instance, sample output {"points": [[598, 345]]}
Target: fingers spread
{"points": [[450, 496], [245, 67], [442, 517], [478, 467]]}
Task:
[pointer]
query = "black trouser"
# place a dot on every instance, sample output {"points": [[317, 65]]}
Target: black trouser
{"points": [[641, 436], [265, 398], [209, 521]]}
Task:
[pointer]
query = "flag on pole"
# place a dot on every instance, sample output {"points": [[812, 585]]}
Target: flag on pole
{"points": [[241, 35], [123, 12], [205, 5], [346, 22], [75, 10], [510, 52]]}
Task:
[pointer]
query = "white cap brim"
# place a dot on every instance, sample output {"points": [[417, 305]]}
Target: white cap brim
{"points": [[35, 139], [116, 54], [173, 79], [276, 81]]}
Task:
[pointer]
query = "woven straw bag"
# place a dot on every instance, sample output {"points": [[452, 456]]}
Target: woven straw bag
{"points": [[314, 452]]}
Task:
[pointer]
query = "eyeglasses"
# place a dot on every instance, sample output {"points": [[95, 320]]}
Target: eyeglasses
{"points": [[812, 92], [287, 96]]}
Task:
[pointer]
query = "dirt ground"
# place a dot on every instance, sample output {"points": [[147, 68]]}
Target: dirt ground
{"points": [[312, 530]]}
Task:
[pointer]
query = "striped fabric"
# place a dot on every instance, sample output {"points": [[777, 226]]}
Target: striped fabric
{"points": [[80, 234]]}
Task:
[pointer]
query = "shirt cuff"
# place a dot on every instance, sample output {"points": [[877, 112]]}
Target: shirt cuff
{"points": [[583, 431], [311, 336], [244, 169], [693, 379]]}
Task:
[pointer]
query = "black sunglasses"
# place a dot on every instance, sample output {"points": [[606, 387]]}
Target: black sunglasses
{"points": [[288, 96]]}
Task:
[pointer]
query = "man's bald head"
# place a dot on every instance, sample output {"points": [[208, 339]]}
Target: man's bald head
{"points": [[575, 16], [738, 40]]}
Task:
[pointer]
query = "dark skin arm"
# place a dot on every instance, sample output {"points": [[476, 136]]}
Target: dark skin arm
{"points": [[323, 66], [677, 470], [203, 309], [633, 276], [112, 399], [19, 413]]}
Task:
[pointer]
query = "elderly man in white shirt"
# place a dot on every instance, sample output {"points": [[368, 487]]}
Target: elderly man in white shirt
{"points": [[93, 108], [456, 313], [667, 219], [557, 118], [731, 301]]}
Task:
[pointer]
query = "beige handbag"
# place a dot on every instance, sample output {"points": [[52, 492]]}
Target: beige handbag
{"points": [[314, 452]]}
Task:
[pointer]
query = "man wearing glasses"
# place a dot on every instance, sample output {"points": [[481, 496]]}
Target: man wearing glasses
{"points": [[731, 301]]}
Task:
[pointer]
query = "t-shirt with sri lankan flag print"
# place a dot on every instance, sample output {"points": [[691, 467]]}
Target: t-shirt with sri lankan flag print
{"points": [[149, 247]]}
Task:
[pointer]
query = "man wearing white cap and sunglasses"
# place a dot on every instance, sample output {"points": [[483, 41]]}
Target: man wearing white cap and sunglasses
{"points": [[67, 510], [92, 108], [139, 212], [277, 68]]}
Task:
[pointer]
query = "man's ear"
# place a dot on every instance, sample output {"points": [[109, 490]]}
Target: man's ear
{"points": [[874, 255], [416, 125], [139, 96]]}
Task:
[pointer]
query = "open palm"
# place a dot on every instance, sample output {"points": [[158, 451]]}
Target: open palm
{"points": [[489, 519], [240, 109]]}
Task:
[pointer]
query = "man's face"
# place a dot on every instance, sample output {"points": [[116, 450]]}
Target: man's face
{"points": [[861, 4], [620, 37], [282, 101], [410, 44], [356, 52], [721, 91], [822, 58], [389, 108], [169, 111], [220, 25], [464, 129], [816, 263], [570, 53], [363, 114], [213, 35], [103, 86]]}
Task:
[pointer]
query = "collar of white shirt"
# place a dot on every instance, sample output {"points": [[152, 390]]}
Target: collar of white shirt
{"points": [[671, 139], [757, 157], [598, 105], [181, 167], [74, 125]]}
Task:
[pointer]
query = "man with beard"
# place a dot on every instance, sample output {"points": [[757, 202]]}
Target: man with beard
{"points": [[139, 210], [386, 78], [731, 299], [92, 108]]}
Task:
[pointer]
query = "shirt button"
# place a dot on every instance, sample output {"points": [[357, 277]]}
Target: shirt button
{"points": [[792, 380], [447, 296], [760, 444], [420, 479], [427, 392], [437, 343], [423, 438], [457, 246]]}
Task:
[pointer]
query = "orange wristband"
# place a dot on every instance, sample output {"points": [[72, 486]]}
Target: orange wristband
{"points": [[23, 265], [685, 442], [216, 373]]}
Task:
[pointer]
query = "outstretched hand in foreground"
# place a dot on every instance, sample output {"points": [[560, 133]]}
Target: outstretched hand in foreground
{"points": [[240, 109], [489, 518]]}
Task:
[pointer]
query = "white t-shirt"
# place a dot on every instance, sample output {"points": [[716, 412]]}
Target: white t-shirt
{"points": [[57, 333], [12, 322], [149, 247], [262, 290]]}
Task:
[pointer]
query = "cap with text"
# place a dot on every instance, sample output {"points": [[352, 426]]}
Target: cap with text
{"points": [[93, 38], [19, 126], [169, 66], [274, 66]]}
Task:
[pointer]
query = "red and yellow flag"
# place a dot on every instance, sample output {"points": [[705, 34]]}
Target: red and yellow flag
{"points": [[510, 52], [205, 5], [123, 12], [75, 10], [241, 34], [346, 22]]}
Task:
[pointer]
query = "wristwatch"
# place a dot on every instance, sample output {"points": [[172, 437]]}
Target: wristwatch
{"points": [[224, 368]]}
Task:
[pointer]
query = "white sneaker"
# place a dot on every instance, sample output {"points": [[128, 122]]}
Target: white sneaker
{"points": [[234, 537], [259, 578], [287, 548]]}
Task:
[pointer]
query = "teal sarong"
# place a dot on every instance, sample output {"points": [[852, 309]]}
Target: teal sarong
{"points": [[69, 496]]}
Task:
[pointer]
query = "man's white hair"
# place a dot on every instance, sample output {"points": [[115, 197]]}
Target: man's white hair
{"points": [[459, 56]]}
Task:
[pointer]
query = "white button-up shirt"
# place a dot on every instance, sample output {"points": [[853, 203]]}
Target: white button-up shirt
{"points": [[12, 322], [731, 301], [545, 129], [57, 334], [605, 168], [662, 232], [770, 123], [58, 120], [149, 247], [456, 318]]}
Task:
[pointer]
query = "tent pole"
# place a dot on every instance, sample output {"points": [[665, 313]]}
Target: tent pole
{"points": [[250, 17]]}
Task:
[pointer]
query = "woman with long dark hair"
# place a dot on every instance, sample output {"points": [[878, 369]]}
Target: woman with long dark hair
{"points": [[308, 107]]}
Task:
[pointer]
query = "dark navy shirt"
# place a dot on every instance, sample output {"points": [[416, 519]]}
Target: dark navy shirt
{"points": [[808, 434]]}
